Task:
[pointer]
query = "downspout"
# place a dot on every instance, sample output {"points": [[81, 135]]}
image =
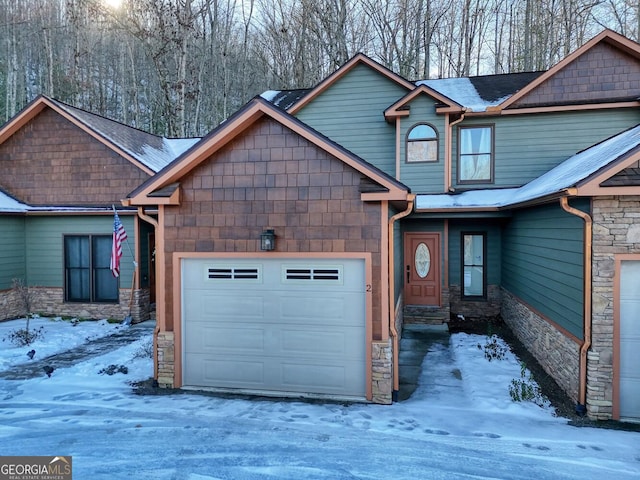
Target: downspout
{"points": [[581, 407], [392, 306], [156, 330], [448, 151]]}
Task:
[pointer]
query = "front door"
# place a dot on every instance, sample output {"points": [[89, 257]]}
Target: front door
{"points": [[422, 269]]}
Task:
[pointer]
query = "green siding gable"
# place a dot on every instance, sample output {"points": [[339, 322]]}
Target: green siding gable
{"points": [[543, 263], [526, 146], [12, 251], [45, 246], [351, 113], [424, 177]]}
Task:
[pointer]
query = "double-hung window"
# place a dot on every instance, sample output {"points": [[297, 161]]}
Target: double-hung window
{"points": [[87, 273], [473, 265], [475, 164]]}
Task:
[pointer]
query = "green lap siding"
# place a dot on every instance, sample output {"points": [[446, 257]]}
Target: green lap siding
{"points": [[351, 113], [45, 246], [527, 146], [423, 177], [543, 263], [12, 253]]}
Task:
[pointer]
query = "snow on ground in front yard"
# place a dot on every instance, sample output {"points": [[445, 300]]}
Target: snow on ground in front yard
{"points": [[460, 423]]}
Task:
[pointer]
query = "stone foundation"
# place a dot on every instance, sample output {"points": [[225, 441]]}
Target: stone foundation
{"points": [[558, 354], [382, 372], [10, 305], [470, 309], [166, 359], [49, 301]]}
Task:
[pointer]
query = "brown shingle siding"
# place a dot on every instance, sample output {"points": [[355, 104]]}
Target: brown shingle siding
{"points": [[311, 199], [50, 161], [602, 74]]}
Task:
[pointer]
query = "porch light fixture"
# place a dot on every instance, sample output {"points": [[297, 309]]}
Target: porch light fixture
{"points": [[267, 240]]}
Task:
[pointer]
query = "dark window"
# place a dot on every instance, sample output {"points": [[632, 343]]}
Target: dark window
{"points": [[475, 145], [422, 144], [88, 277], [473, 265]]}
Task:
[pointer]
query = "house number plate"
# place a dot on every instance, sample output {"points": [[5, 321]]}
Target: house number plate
{"points": [[423, 260]]}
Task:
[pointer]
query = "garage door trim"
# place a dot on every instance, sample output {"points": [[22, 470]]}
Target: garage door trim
{"points": [[177, 296]]}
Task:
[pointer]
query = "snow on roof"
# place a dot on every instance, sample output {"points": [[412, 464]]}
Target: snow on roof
{"points": [[10, 204], [284, 99], [479, 93], [568, 174], [153, 151], [461, 91], [157, 158], [269, 95]]}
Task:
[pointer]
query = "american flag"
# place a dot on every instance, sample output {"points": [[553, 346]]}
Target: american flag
{"points": [[119, 236]]}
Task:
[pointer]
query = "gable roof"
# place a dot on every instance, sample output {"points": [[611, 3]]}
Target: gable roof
{"points": [[576, 176], [475, 94], [482, 92], [235, 125], [358, 59], [606, 36], [148, 152], [399, 109]]}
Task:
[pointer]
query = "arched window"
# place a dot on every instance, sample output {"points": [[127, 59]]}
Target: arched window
{"points": [[422, 144]]}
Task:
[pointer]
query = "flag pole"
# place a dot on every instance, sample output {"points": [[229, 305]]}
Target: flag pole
{"points": [[127, 319]]}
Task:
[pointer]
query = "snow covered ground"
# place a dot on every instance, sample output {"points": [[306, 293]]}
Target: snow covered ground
{"points": [[460, 423]]}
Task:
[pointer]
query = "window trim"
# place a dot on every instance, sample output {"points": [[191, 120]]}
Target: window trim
{"points": [[435, 139], [482, 234], [92, 269], [492, 162]]}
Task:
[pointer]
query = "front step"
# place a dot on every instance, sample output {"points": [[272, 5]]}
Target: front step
{"points": [[421, 315]]}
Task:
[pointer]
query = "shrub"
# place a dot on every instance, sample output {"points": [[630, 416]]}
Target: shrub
{"points": [[113, 369], [145, 350], [525, 389], [493, 349], [22, 337]]}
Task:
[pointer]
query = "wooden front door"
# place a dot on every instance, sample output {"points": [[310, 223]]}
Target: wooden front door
{"points": [[422, 269]]}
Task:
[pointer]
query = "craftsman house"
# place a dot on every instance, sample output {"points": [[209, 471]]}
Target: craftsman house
{"points": [[293, 242], [62, 170]]}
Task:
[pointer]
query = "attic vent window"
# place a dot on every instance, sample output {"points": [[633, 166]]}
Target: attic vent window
{"points": [[422, 144], [233, 273], [324, 274]]}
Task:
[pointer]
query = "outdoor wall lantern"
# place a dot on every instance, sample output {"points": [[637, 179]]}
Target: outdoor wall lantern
{"points": [[267, 240]]}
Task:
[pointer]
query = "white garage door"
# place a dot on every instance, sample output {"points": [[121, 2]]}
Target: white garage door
{"points": [[275, 325], [630, 340]]}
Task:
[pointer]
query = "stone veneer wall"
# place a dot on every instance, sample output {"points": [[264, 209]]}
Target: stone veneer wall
{"points": [[9, 305], [558, 354], [616, 230], [166, 359], [50, 301], [381, 375], [489, 307]]}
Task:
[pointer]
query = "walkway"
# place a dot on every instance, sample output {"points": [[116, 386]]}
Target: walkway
{"points": [[93, 348], [416, 341]]}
